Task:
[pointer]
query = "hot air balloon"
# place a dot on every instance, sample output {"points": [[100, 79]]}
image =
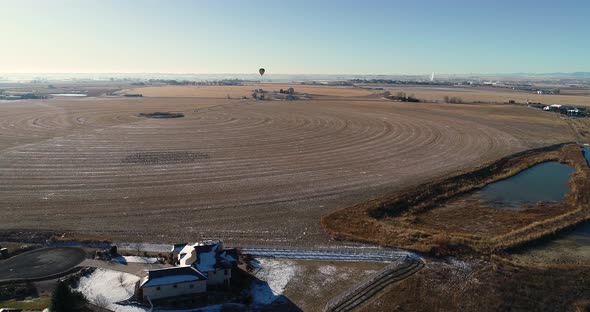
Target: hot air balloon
{"points": [[261, 71]]}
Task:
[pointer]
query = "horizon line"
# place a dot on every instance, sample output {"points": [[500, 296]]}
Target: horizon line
{"points": [[293, 74]]}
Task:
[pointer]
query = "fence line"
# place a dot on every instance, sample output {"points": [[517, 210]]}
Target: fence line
{"points": [[364, 290]]}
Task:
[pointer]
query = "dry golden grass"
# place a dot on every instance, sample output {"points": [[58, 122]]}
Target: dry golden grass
{"points": [[581, 127], [316, 282], [398, 219], [246, 90], [486, 286], [473, 95]]}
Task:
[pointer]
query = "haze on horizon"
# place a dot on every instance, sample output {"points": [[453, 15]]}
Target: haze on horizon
{"points": [[295, 37]]}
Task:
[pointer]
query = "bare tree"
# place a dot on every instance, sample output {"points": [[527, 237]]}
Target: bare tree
{"points": [[138, 247], [121, 279]]}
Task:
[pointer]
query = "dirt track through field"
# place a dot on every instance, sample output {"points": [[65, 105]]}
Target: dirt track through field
{"points": [[271, 168]]}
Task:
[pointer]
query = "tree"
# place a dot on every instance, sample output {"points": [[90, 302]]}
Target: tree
{"points": [[64, 299], [121, 279], [138, 247]]}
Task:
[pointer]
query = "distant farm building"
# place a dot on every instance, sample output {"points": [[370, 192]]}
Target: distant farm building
{"points": [[565, 110]]}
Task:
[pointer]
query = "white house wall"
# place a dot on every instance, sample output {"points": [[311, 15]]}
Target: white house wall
{"points": [[169, 290], [218, 277]]}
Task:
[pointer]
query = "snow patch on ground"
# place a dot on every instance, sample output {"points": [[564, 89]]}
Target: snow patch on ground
{"points": [[135, 259], [327, 270], [212, 308], [127, 308], [275, 275], [461, 265], [107, 286]]}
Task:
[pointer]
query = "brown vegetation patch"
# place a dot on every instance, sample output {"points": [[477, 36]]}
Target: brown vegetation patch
{"points": [[403, 219], [486, 286], [154, 158], [161, 115], [470, 216]]}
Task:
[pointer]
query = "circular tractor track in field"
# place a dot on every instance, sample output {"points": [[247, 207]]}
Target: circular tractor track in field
{"points": [[271, 168]]}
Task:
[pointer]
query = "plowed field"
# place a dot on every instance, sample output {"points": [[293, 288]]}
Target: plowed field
{"points": [[242, 170]]}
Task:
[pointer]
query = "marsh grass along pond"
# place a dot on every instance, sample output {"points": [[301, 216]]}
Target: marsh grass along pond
{"points": [[546, 182], [587, 154]]}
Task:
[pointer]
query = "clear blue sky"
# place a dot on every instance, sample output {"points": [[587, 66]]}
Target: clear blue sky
{"points": [[296, 36]]}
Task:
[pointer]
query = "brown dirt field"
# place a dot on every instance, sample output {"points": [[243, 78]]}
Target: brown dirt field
{"points": [[420, 217], [486, 286], [316, 282], [272, 168], [246, 90], [469, 95], [581, 126]]}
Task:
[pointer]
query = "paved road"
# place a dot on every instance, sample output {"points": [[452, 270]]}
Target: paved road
{"points": [[139, 269], [41, 263]]}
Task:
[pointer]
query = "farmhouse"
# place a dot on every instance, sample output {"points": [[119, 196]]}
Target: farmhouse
{"points": [[172, 282], [210, 258], [202, 265]]}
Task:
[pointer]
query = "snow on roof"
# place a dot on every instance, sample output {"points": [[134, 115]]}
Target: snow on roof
{"points": [[207, 256], [172, 276], [206, 260]]}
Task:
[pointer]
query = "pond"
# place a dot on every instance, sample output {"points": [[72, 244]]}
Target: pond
{"points": [[568, 247], [546, 182]]}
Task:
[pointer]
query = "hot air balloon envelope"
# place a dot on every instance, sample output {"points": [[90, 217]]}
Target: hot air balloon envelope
{"points": [[261, 71]]}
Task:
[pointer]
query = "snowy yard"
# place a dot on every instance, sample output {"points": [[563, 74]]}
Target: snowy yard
{"points": [[275, 275], [213, 308], [106, 287], [135, 259]]}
